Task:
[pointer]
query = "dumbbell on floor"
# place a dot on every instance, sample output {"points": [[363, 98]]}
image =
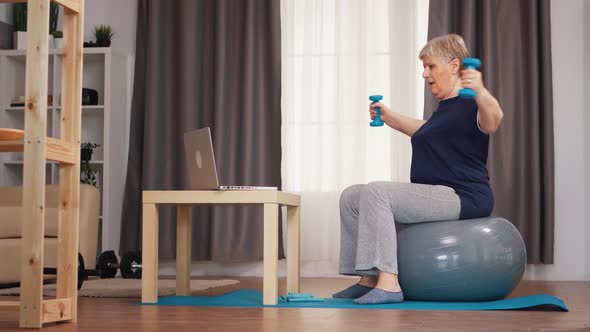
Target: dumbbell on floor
{"points": [[107, 267], [131, 265], [108, 264]]}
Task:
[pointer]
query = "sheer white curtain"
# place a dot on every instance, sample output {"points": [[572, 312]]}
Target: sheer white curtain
{"points": [[335, 54]]}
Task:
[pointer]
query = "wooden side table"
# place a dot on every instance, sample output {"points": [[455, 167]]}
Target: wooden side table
{"points": [[183, 200]]}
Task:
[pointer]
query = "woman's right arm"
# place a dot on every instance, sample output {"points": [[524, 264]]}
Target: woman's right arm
{"points": [[397, 121]]}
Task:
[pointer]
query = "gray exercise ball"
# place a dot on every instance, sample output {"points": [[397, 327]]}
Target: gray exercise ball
{"points": [[460, 260]]}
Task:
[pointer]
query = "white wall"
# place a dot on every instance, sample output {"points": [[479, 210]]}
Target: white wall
{"points": [[572, 256], [120, 14]]}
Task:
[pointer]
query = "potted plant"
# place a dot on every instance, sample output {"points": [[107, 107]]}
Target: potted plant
{"points": [[53, 16], [58, 39], [19, 24], [88, 174], [103, 34]]}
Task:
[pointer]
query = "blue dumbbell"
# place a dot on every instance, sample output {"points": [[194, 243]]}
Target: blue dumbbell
{"points": [[377, 120], [469, 63]]}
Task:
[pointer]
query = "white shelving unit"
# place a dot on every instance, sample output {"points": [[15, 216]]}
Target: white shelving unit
{"points": [[106, 124]]}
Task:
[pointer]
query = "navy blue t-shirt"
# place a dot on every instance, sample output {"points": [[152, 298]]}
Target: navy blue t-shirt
{"points": [[451, 150]]}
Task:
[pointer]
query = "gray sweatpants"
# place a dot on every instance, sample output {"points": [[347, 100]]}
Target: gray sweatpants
{"points": [[368, 213]]}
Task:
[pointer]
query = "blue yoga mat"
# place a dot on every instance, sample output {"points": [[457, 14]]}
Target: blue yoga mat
{"points": [[248, 298]]}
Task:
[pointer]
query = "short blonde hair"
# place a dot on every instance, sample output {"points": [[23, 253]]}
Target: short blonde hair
{"points": [[447, 48]]}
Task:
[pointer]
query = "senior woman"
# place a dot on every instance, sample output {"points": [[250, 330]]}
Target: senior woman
{"points": [[449, 178]]}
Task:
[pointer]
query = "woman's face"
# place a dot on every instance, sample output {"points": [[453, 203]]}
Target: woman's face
{"points": [[442, 77]]}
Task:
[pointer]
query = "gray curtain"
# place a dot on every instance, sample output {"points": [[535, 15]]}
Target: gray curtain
{"points": [[513, 40], [204, 63]]}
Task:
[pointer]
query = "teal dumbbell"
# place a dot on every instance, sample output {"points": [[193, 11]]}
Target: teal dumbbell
{"points": [[377, 122], [469, 63]]}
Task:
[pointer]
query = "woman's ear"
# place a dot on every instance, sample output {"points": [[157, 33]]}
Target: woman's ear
{"points": [[455, 65]]}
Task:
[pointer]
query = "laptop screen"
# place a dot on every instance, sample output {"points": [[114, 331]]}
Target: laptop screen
{"points": [[200, 159]]}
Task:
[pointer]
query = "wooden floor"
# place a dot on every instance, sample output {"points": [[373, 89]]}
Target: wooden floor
{"points": [[122, 315]]}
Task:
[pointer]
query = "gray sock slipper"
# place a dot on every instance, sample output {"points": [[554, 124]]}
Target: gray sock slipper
{"points": [[352, 292], [380, 296]]}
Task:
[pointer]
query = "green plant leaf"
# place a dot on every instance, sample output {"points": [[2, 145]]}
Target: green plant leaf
{"points": [[104, 33]]}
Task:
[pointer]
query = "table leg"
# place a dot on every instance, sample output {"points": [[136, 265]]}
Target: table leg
{"points": [[183, 250], [149, 273], [271, 253], [293, 248]]}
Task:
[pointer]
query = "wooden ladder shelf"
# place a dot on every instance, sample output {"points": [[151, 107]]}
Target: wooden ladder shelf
{"points": [[34, 310]]}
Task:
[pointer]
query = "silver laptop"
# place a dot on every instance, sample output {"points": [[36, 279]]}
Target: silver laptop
{"points": [[200, 160]]}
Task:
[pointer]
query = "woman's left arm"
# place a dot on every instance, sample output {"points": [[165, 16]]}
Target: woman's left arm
{"points": [[489, 114]]}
